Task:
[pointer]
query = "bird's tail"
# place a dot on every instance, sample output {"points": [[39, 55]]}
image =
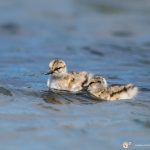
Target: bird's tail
{"points": [[132, 90], [127, 91]]}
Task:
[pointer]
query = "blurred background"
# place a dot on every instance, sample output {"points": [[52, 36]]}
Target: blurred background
{"points": [[107, 37]]}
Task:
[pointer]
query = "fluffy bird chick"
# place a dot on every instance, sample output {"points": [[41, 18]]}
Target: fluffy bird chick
{"points": [[114, 92], [61, 79]]}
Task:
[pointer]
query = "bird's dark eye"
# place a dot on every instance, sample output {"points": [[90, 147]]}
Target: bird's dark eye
{"points": [[91, 83], [99, 82], [56, 69], [95, 82]]}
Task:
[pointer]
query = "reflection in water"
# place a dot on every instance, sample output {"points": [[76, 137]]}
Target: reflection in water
{"points": [[65, 97], [144, 61], [145, 123], [51, 97], [145, 89], [102, 6], [93, 51], [10, 28], [5, 91], [122, 33], [139, 103], [108, 37], [54, 96]]}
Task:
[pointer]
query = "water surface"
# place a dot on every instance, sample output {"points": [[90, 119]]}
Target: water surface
{"points": [[110, 38]]}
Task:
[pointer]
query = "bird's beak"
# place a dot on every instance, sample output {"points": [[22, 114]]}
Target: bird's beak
{"points": [[49, 72]]}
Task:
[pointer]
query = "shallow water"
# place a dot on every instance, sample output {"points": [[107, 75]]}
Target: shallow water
{"points": [[111, 38]]}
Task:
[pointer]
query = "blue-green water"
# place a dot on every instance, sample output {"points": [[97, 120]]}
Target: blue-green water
{"points": [[107, 37]]}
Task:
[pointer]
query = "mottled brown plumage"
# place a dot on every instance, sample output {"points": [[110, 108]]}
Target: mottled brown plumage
{"points": [[113, 92], [61, 79]]}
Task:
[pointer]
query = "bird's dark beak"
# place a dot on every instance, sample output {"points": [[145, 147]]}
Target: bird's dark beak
{"points": [[49, 72]]}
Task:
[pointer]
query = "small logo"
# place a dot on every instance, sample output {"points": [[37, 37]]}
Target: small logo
{"points": [[126, 144]]}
